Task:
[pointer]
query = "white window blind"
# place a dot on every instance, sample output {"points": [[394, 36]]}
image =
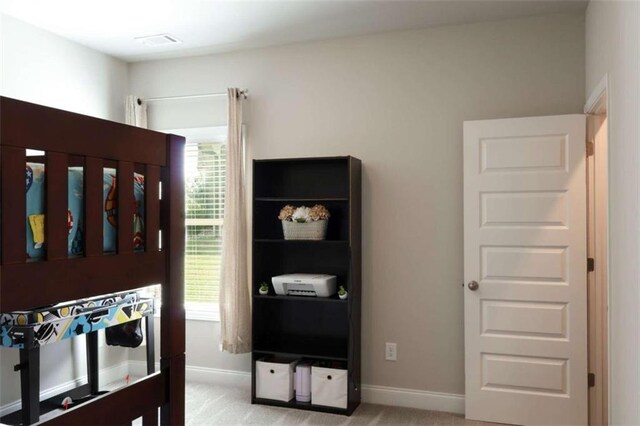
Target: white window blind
{"points": [[205, 183]]}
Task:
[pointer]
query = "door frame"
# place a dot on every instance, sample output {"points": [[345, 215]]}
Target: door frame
{"points": [[598, 105]]}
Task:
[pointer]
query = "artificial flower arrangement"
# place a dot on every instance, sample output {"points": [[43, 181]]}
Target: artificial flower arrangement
{"points": [[304, 223]]}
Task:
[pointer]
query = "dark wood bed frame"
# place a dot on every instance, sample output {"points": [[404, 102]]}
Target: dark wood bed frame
{"points": [[74, 139]]}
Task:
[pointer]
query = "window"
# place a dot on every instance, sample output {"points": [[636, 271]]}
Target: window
{"points": [[204, 196], [205, 158]]}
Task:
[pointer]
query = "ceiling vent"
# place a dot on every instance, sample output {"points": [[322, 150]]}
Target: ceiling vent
{"points": [[158, 40]]}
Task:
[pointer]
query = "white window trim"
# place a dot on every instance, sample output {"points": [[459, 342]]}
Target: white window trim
{"points": [[202, 311], [195, 311]]}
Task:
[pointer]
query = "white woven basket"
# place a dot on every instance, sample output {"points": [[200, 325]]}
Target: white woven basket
{"points": [[305, 231]]}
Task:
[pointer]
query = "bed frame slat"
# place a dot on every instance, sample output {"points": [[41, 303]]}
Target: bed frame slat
{"points": [[150, 418], [14, 225], [125, 206], [93, 207], [118, 407], [77, 278], [56, 223], [38, 127], [152, 207]]}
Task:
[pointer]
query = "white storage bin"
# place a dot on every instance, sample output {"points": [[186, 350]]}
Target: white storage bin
{"points": [[274, 380], [329, 387]]}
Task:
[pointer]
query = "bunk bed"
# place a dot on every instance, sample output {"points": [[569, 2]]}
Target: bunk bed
{"points": [[62, 266]]}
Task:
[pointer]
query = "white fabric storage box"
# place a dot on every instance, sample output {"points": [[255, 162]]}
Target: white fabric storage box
{"points": [[329, 387], [274, 380]]}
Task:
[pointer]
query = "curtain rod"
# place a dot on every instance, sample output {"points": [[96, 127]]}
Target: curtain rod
{"points": [[242, 93]]}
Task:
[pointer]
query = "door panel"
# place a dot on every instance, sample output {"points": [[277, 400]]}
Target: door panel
{"points": [[524, 319], [531, 209], [525, 245]]}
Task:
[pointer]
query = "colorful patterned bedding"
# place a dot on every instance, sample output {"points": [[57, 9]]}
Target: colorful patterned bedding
{"points": [[35, 187], [70, 319]]}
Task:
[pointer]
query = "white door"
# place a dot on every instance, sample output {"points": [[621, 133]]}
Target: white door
{"points": [[525, 267]]}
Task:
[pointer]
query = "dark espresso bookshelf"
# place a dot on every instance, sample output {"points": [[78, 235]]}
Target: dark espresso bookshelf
{"points": [[298, 327]]}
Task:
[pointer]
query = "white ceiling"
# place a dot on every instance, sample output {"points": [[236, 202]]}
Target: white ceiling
{"points": [[210, 26]]}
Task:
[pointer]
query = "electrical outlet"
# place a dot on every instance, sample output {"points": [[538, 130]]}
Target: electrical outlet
{"points": [[391, 351]]}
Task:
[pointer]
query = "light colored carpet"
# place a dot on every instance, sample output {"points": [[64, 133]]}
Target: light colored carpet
{"points": [[217, 405], [229, 406]]}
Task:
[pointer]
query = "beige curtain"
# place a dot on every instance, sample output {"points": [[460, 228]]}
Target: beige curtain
{"points": [[135, 112], [235, 302]]}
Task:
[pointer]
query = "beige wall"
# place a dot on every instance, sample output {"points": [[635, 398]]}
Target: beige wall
{"points": [[39, 67], [202, 341], [613, 48], [397, 101]]}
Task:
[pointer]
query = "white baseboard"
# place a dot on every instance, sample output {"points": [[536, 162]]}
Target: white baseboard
{"points": [[220, 377], [413, 398], [106, 375], [383, 395], [196, 374], [139, 368]]}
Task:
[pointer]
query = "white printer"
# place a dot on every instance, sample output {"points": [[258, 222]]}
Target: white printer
{"points": [[314, 285]]}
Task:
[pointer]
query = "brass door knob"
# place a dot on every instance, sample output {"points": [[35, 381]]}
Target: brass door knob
{"points": [[473, 285]]}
